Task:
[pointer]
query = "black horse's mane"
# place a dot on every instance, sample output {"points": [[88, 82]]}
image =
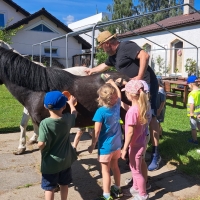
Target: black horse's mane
{"points": [[21, 71]]}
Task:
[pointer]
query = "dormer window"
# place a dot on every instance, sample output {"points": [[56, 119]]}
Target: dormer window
{"points": [[41, 28]]}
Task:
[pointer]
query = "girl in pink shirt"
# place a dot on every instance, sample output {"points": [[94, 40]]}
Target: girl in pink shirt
{"points": [[135, 124]]}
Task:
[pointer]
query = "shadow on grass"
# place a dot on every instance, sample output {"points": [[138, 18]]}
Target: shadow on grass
{"points": [[14, 129]]}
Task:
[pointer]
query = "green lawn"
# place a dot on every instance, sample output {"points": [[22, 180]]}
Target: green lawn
{"points": [[174, 145], [11, 112]]}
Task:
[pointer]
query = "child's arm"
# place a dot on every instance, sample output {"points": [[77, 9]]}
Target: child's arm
{"points": [[115, 86], [160, 108], [191, 110], [128, 139], [124, 106], [95, 136], [41, 145], [71, 102]]}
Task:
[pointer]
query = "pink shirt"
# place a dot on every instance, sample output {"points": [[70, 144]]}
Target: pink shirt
{"points": [[139, 136]]}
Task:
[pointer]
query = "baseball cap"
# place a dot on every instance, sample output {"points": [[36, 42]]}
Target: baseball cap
{"points": [[104, 36], [146, 87], [192, 79], [54, 100], [133, 86]]}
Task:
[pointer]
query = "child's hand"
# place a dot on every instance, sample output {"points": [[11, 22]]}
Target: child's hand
{"points": [[120, 82], [72, 100], [110, 81], [123, 154], [90, 149]]}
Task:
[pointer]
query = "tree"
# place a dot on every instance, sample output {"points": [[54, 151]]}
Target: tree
{"points": [[146, 6], [121, 9], [6, 35]]}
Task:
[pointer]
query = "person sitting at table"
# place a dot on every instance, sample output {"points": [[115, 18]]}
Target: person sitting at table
{"points": [[193, 107]]}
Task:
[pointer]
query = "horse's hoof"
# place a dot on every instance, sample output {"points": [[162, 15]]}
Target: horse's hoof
{"points": [[19, 151], [31, 142]]}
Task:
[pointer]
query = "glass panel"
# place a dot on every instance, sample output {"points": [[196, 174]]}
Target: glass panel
{"points": [[2, 22], [46, 29], [47, 51], [37, 28]]}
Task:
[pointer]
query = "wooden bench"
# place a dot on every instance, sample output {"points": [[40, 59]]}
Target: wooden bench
{"points": [[170, 95], [177, 89]]}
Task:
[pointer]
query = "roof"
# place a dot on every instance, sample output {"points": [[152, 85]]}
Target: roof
{"points": [[17, 7], [169, 23], [85, 44]]}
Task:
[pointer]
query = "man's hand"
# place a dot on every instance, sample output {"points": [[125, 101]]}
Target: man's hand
{"points": [[136, 78], [88, 71]]}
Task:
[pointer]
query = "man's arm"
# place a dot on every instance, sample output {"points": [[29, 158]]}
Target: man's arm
{"points": [[144, 60], [100, 68]]}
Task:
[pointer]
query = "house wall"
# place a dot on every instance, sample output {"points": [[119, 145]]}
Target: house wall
{"points": [[25, 38], [87, 22], [10, 13], [165, 39]]}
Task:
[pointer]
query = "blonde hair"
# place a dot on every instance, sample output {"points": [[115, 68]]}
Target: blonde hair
{"points": [[143, 102], [107, 95]]}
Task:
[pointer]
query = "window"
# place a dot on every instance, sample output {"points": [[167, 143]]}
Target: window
{"points": [[41, 28], [2, 20], [54, 51]]}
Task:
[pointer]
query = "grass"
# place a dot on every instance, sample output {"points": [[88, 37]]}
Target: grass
{"points": [[11, 112], [174, 146]]}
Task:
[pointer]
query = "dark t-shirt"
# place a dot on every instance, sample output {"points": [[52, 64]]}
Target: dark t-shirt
{"points": [[125, 61]]}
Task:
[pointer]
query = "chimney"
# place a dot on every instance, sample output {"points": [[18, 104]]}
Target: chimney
{"points": [[187, 10]]}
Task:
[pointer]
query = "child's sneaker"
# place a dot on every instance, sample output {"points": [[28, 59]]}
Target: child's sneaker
{"points": [[155, 162], [116, 192], [138, 197], [130, 192], [103, 198], [193, 141]]}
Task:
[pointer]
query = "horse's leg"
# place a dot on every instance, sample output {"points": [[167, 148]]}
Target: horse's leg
{"points": [[22, 139], [34, 137]]}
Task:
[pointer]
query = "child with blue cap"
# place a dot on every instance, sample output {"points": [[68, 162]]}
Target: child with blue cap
{"points": [[193, 107], [54, 143]]}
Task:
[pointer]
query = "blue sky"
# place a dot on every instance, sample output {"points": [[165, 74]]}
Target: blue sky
{"points": [[71, 10]]}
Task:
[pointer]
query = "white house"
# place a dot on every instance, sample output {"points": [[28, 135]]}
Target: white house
{"points": [[181, 40], [38, 27], [87, 22]]}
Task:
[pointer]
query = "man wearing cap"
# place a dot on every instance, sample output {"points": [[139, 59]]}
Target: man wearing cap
{"points": [[128, 58]]}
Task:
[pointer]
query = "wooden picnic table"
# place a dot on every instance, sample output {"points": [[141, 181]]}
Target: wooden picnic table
{"points": [[185, 89]]}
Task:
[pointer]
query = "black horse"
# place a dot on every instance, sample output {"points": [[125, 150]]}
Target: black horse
{"points": [[28, 83]]}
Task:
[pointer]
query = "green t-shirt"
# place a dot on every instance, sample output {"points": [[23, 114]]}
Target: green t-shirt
{"points": [[58, 153]]}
